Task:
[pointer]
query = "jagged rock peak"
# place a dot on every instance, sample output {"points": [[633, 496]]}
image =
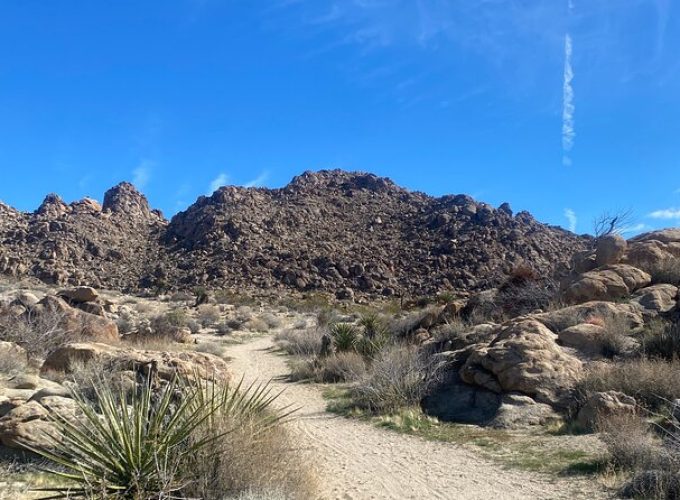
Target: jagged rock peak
{"points": [[125, 199], [341, 179], [52, 206]]}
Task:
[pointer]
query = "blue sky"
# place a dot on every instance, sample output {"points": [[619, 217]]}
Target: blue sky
{"points": [[564, 108]]}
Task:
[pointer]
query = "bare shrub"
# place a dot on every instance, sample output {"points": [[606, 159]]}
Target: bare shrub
{"points": [[300, 342], [208, 315], [630, 442], [650, 381], [40, 333], [256, 325], [398, 378], [304, 369], [666, 271], [271, 320]]}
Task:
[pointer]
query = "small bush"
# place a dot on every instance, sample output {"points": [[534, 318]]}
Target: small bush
{"points": [[10, 363], [342, 367], [630, 442], [256, 325], [661, 339], [650, 382], [211, 348], [615, 339], [345, 336], [666, 271], [38, 334], [271, 320], [374, 326], [300, 342], [208, 315], [398, 378]]}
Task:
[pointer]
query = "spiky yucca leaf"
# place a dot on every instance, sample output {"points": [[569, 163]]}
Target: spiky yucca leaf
{"points": [[138, 445], [128, 445], [345, 336]]}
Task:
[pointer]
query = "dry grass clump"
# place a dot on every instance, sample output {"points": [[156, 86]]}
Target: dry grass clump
{"points": [[652, 459], [271, 320], [256, 325], [208, 315], [251, 462], [615, 338], [338, 367], [399, 377], [306, 342], [213, 348], [649, 381], [666, 271], [661, 339]]}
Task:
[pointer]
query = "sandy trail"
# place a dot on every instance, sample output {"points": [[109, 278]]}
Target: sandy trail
{"points": [[360, 461]]}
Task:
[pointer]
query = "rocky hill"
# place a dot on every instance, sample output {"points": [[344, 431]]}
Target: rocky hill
{"points": [[334, 231]]}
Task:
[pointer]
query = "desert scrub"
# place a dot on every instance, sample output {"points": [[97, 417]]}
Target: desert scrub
{"points": [[305, 342], [208, 315], [652, 382], [338, 367], [398, 378], [666, 271], [661, 339], [38, 334]]}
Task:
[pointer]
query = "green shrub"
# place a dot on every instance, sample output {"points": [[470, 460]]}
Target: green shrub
{"points": [[345, 336], [373, 325]]}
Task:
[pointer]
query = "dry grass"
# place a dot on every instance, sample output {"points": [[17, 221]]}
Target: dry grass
{"points": [[249, 461], [615, 339], [398, 378], [10, 363], [666, 271], [305, 342], [650, 382], [661, 339], [340, 367], [208, 315]]}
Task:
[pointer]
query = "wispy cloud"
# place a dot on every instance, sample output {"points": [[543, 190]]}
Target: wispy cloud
{"points": [[571, 218], [141, 175], [259, 180], [666, 213], [568, 106], [218, 182]]}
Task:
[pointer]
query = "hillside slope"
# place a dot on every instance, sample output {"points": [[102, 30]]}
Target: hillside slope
{"points": [[333, 231]]}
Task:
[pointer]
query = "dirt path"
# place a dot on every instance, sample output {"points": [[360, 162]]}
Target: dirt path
{"points": [[360, 461]]}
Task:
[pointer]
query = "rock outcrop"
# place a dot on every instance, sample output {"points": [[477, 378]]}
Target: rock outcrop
{"points": [[347, 234]]}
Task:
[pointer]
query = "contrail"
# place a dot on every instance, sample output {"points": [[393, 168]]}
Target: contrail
{"points": [[568, 108]]}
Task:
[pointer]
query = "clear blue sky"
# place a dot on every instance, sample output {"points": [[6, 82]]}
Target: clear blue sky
{"points": [[557, 107]]}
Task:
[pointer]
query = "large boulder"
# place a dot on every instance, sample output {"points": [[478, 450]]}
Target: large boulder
{"points": [[657, 299], [603, 404], [584, 337], [518, 411], [524, 357], [75, 322], [610, 249], [606, 283], [165, 364], [561, 319], [80, 294], [648, 251]]}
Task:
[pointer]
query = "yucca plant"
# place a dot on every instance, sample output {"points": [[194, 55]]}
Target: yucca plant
{"points": [[345, 336], [128, 445], [373, 325], [137, 445]]}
